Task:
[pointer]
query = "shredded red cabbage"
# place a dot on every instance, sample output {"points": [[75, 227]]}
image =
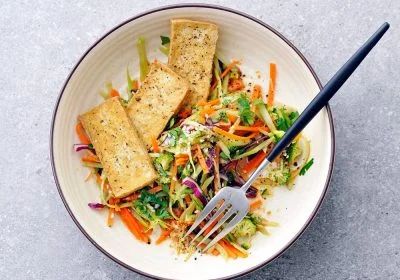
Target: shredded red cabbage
{"points": [[195, 188], [79, 147], [210, 159], [95, 205]]}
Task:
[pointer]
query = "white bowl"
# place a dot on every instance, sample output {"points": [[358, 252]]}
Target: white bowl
{"points": [[241, 37]]}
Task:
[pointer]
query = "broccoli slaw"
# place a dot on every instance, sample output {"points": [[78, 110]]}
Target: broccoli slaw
{"points": [[217, 143]]}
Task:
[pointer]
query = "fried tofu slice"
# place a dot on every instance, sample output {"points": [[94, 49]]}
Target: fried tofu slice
{"points": [[192, 49], [159, 97], [123, 155]]}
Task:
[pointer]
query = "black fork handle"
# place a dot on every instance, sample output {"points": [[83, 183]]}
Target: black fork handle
{"points": [[321, 100]]}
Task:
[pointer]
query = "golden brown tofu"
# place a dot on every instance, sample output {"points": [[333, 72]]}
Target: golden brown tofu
{"points": [[123, 155], [191, 54], [158, 99]]}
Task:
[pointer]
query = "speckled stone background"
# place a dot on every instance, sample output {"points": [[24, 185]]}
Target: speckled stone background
{"points": [[356, 234]]}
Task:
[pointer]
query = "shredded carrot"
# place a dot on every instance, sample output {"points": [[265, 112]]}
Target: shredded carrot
{"points": [[254, 162], [164, 235], [256, 92], [80, 131], [155, 189], [209, 103], [232, 118], [188, 200], [228, 250], [252, 128], [154, 143], [133, 225], [201, 159], [181, 161], [234, 250], [210, 227], [114, 93], [185, 113], [233, 136], [135, 85], [98, 178], [207, 111], [90, 157], [235, 85], [229, 68], [255, 204], [272, 80], [215, 252], [179, 156]]}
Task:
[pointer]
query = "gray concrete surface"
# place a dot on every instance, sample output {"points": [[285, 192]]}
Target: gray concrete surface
{"points": [[354, 236]]}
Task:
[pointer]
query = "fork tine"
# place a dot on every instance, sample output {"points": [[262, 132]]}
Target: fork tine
{"points": [[239, 216], [228, 214], [220, 210], [207, 210]]}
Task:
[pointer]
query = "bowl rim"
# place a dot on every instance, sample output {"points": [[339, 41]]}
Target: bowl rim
{"points": [[224, 9]]}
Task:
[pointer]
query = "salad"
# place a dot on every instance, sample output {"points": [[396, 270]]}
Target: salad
{"points": [[215, 144]]}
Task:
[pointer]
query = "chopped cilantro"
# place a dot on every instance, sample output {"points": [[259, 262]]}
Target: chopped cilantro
{"points": [[164, 40], [246, 115], [222, 116], [306, 167]]}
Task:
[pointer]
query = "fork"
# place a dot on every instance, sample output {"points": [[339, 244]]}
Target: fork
{"points": [[231, 204]]}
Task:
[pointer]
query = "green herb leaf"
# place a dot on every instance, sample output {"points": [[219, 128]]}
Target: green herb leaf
{"points": [[222, 116], [165, 40], [246, 115], [306, 167]]}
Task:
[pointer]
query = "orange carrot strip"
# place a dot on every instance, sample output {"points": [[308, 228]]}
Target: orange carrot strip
{"points": [[232, 118], [272, 81], [234, 250], [201, 159], [209, 103], [254, 162], [188, 199], [181, 161], [154, 143], [180, 156], [132, 224], [91, 158], [135, 85], [256, 92], [208, 229], [227, 249], [248, 128], [80, 131], [229, 68], [232, 136], [255, 204], [215, 252], [164, 235], [114, 93], [155, 189], [207, 111]]}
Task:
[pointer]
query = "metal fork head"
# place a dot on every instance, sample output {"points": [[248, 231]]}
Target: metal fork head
{"points": [[227, 208]]}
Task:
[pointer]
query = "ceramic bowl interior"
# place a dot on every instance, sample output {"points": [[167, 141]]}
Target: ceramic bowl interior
{"points": [[241, 37]]}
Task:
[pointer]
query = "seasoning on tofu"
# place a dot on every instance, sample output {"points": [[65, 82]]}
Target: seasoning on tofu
{"points": [[192, 50], [158, 99], [123, 156]]}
